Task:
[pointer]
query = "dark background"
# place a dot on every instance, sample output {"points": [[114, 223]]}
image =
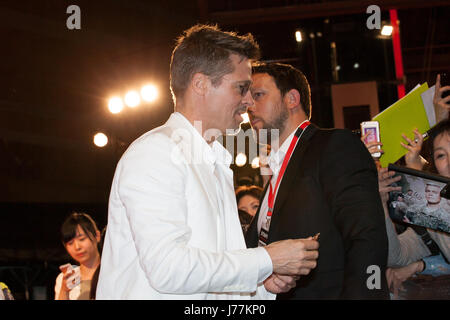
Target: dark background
{"points": [[55, 86]]}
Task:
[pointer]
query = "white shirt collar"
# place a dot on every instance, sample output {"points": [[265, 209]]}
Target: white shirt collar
{"points": [[213, 153], [276, 158]]}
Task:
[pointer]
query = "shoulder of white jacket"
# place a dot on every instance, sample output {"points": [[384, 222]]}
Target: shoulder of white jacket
{"points": [[172, 130], [173, 136], [161, 136]]}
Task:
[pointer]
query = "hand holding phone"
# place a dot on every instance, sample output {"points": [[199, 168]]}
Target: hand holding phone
{"points": [[66, 268], [72, 276], [370, 133]]}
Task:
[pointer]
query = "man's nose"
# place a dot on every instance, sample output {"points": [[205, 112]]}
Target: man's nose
{"points": [[248, 99]]}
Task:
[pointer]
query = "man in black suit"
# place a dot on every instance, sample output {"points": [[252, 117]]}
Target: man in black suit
{"points": [[324, 181]]}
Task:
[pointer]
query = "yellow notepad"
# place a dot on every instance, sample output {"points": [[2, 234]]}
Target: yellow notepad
{"points": [[401, 117]]}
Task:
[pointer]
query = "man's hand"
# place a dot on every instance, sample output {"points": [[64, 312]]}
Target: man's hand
{"points": [[293, 257], [277, 283]]}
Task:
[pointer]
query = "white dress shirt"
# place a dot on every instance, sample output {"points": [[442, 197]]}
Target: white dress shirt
{"points": [[173, 229]]}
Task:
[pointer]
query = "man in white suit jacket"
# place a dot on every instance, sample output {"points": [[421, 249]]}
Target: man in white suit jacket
{"points": [[173, 229]]}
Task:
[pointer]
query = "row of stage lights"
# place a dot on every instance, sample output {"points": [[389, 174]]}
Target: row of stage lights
{"points": [[385, 31], [133, 98], [101, 140]]}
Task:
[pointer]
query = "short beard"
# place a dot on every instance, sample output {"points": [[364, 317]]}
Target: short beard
{"points": [[279, 123]]}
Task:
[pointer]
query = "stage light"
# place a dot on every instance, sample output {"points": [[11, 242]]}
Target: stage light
{"points": [[100, 140], [115, 105], [241, 159], [245, 117], [338, 67], [149, 93], [386, 30], [298, 36], [356, 65], [132, 99], [255, 163]]}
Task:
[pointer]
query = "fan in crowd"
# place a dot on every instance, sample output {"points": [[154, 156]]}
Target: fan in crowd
{"points": [[80, 237], [418, 250]]}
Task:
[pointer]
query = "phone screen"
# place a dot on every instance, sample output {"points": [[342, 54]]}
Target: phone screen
{"points": [[372, 135]]}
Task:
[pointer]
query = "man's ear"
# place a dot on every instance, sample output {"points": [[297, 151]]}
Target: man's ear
{"points": [[292, 99], [200, 83], [98, 236]]}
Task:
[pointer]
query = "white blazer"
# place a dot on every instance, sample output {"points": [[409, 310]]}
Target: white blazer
{"points": [[167, 237]]}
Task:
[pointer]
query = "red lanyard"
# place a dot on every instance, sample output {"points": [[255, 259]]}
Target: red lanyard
{"points": [[287, 157]]}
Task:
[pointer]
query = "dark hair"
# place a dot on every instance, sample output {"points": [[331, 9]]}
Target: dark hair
{"points": [[253, 191], [245, 181], [206, 49], [428, 147], [94, 283], [441, 127], [245, 219], [69, 227], [286, 78], [94, 280]]}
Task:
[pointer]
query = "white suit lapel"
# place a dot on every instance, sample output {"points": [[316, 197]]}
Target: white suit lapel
{"points": [[193, 150]]}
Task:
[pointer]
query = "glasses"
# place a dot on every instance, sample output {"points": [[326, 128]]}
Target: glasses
{"points": [[241, 86]]}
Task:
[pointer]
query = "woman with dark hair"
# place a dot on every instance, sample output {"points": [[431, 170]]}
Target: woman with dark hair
{"points": [[409, 254], [247, 198], [80, 237]]}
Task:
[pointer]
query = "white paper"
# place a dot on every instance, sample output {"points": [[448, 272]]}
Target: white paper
{"points": [[427, 99]]}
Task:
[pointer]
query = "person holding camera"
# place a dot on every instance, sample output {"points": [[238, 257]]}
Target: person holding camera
{"points": [[417, 250]]}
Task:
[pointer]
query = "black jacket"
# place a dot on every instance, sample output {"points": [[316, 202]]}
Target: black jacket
{"points": [[330, 186]]}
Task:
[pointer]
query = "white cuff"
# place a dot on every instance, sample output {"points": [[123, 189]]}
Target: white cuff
{"points": [[265, 264]]}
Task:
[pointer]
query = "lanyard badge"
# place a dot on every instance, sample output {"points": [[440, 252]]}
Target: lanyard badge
{"points": [[264, 233]]}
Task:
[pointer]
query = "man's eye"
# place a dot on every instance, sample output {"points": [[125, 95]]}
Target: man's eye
{"points": [[243, 89]]}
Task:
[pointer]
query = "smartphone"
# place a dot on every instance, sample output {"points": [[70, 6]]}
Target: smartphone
{"points": [[66, 267], [372, 128], [445, 81], [75, 278]]}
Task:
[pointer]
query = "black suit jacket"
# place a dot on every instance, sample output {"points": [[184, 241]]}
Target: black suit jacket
{"points": [[330, 186]]}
